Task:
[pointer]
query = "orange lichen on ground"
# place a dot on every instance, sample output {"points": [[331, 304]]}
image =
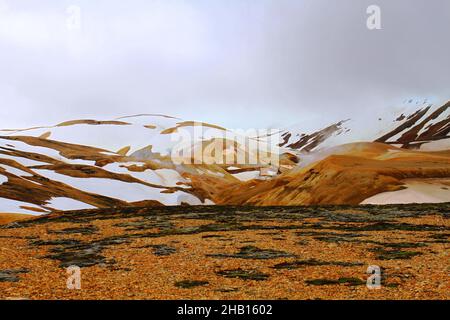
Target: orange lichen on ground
{"points": [[230, 253]]}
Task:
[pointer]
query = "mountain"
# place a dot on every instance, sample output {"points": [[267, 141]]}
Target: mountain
{"points": [[156, 160], [351, 175], [83, 164], [413, 125], [426, 126]]}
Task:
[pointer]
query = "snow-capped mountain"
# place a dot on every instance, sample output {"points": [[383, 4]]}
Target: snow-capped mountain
{"points": [[412, 125], [82, 164], [129, 161]]}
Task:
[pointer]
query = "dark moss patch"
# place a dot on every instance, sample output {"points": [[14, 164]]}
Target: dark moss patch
{"points": [[82, 254], [58, 242], [226, 290], [268, 233], [383, 254], [353, 239], [81, 258], [162, 249], [328, 234], [345, 281], [243, 274], [208, 236], [13, 225], [403, 245], [11, 237], [334, 239], [252, 252], [161, 223], [188, 284], [84, 230], [12, 275], [440, 238], [321, 282], [390, 226], [31, 237], [313, 262]]}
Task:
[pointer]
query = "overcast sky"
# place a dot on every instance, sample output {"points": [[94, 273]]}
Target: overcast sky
{"points": [[239, 63]]}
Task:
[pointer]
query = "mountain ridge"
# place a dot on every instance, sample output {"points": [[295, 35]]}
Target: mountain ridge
{"points": [[87, 163]]}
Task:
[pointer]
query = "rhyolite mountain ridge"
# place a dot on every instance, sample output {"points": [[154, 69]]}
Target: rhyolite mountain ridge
{"points": [[400, 157]]}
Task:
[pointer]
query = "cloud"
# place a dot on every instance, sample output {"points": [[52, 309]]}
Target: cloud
{"points": [[239, 63]]}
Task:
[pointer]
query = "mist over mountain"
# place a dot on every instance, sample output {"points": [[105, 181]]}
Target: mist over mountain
{"points": [[243, 64]]}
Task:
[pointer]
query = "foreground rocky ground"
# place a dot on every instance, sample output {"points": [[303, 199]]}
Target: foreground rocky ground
{"points": [[230, 253]]}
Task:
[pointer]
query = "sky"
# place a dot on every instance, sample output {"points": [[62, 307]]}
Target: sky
{"points": [[237, 63]]}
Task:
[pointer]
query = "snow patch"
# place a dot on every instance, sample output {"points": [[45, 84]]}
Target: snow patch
{"points": [[15, 171], [23, 161], [13, 206], [247, 176], [129, 192], [64, 204], [416, 192]]}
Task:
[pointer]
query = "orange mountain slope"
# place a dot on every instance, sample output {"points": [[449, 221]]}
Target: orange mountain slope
{"points": [[12, 217], [360, 171]]}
